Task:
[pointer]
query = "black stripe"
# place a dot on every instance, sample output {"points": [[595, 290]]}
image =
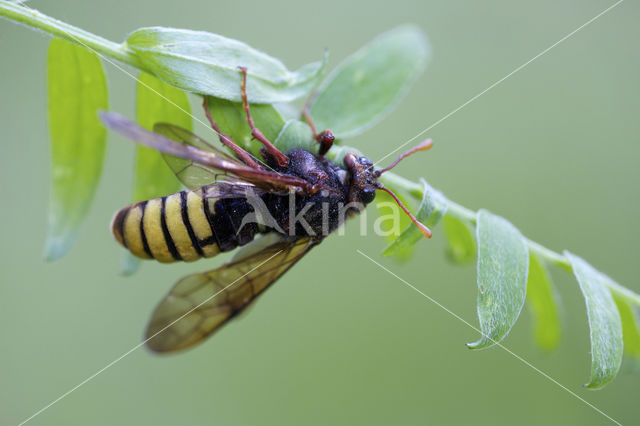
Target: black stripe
{"points": [[223, 225], [208, 241], [187, 223], [145, 243], [228, 206], [167, 236], [119, 224], [209, 216]]}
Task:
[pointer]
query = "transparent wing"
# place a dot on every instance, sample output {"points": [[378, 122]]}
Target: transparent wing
{"points": [[191, 173], [201, 303], [208, 160], [183, 135], [229, 188]]}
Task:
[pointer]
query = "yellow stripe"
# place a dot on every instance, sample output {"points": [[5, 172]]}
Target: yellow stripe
{"points": [[153, 231], [200, 224], [132, 234], [179, 233]]}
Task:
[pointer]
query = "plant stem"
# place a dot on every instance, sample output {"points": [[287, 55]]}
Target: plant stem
{"points": [[466, 215], [394, 181], [549, 255], [623, 292], [34, 19]]}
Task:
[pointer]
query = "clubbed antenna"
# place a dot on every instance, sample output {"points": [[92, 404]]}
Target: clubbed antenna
{"points": [[423, 146], [423, 228]]}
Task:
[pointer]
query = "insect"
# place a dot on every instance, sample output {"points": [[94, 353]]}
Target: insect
{"points": [[292, 201]]}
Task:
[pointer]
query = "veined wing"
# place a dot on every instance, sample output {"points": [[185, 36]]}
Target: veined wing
{"points": [[194, 175], [199, 304], [191, 173], [264, 179], [228, 188], [183, 135]]}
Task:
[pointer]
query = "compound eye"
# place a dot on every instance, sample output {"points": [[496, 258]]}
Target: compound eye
{"points": [[368, 194], [365, 161]]}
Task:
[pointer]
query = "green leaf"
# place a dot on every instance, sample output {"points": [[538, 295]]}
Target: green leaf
{"points": [[295, 135], [541, 297], [432, 207], [630, 317], [207, 63], [129, 264], [156, 102], [287, 111], [503, 264], [232, 121], [461, 243], [370, 83], [77, 89], [337, 154], [604, 322]]}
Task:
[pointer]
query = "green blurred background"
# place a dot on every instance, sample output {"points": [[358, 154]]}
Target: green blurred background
{"points": [[554, 149]]}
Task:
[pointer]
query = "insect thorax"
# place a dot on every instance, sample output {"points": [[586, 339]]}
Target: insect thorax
{"points": [[321, 213]]}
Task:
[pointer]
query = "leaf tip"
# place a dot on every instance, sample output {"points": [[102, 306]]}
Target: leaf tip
{"points": [[57, 246], [130, 264], [480, 344], [594, 385]]}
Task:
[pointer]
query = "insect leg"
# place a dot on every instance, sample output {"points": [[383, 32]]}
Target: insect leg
{"points": [[324, 138], [280, 158], [226, 140]]}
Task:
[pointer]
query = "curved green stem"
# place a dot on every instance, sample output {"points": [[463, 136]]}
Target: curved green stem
{"points": [[34, 19], [460, 212], [549, 255], [623, 292]]}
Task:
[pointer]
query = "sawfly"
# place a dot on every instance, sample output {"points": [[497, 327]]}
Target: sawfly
{"points": [[292, 201]]}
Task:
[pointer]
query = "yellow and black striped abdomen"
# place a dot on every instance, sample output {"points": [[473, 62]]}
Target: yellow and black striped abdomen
{"points": [[175, 227]]}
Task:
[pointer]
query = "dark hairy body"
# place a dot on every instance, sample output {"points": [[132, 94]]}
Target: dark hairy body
{"points": [[314, 215]]}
